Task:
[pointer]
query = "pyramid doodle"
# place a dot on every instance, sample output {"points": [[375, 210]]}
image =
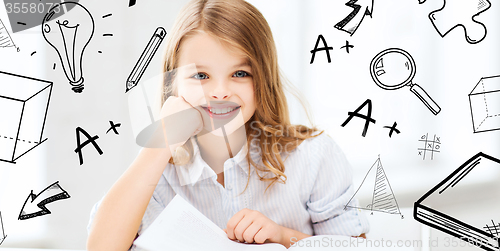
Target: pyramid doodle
{"points": [[383, 199], [5, 38]]}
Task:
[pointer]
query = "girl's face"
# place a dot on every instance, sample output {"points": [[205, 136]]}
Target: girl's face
{"points": [[218, 79]]}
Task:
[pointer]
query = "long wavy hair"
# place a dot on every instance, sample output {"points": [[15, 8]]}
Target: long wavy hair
{"points": [[240, 25]]}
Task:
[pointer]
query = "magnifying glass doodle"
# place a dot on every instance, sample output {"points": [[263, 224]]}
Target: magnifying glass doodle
{"points": [[394, 68]]}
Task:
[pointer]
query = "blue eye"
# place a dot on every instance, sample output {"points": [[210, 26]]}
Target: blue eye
{"points": [[200, 76], [241, 74]]}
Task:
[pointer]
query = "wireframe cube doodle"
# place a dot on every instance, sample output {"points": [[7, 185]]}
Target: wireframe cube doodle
{"points": [[485, 104], [24, 103]]}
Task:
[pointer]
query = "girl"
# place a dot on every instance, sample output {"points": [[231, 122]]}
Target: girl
{"points": [[233, 154]]}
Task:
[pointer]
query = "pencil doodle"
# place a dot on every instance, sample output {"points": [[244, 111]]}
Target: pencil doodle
{"points": [[24, 103], [347, 46], [3, 236], [394, 68], [484, 102], [351, 23], [145, 58], [494, 229], [461, 13], [69, 35], [326, 48], [383, 199], [5, 38], [368, 117], [430, 146], [36, 206], [393, 129], [467, 227], [27, 14]]}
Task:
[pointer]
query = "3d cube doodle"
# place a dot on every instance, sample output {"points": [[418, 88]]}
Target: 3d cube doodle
{"points": [[485, 104], [24, 103]]}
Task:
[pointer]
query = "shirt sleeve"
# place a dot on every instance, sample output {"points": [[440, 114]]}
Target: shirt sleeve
{"points": [[332, 191]]}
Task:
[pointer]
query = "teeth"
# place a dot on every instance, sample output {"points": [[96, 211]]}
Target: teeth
{"points": [[221, 111]]}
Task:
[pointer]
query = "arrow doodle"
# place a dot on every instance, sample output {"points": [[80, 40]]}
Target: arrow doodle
{"points": [[52, 193], [351, 23]]}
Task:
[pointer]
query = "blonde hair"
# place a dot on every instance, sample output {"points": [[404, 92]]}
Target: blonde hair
{"points": [[243, 27]]}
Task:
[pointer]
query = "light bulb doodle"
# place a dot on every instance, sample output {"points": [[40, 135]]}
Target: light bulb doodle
{"points": [[69, 35]]}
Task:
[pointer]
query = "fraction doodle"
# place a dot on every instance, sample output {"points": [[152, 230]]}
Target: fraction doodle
{"points": [[431, 146]]}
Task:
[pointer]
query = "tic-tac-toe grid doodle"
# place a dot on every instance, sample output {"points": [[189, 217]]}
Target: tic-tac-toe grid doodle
{"points": [[430, 146]]}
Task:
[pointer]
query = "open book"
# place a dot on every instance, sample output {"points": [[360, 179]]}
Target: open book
{"points": [[180, 226]]}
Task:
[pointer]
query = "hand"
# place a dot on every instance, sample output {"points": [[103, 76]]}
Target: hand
{"points": [[180, 121], [253, 227]]}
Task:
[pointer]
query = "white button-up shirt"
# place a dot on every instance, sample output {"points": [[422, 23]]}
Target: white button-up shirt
{"points": [[313, 200]]}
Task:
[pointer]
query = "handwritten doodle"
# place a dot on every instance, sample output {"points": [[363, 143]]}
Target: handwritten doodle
{"points": [[69, 36], [394, 68], [36, 206], [5, 38], [468, 229], [351, 23], [326, 48], [430, 146], [368, 117], [484, 102], [80, 146], [3, 236], [113, 127], [145, 58], [393, 129], [347, 46], [24, 103], [131, 3], [461, 13], [383, 199]]}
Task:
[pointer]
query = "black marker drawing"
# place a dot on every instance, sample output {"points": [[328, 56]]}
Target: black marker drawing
{"points": [[347, 46], [484, 102], [3, 236], [145, 59], [493, 229], [394, 68], [461, 13], [430, 146], [113, 127], [5, 38], [368, 117], [470, 227], [107, 15], [351, 23], [69, 35], [80, 146], [131, 3], [383, 199], [21, 23], [36, 206], [24, 103], [325, 48], [393, 129]]}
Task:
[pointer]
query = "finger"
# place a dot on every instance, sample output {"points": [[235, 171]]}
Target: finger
{"points": [[251, 231], [242, 227], [231, 224], [261, 236]]}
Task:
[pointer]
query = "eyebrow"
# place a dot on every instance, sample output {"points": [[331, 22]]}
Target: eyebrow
{"points": [[235, 66]]}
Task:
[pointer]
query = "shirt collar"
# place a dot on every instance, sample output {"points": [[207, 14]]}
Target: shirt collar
{"points": [[198, 169]]}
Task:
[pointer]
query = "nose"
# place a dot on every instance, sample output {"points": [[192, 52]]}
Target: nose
{"points": [[221, 90]]}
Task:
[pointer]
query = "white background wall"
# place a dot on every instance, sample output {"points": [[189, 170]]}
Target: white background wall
{"points": [[447, 68]]}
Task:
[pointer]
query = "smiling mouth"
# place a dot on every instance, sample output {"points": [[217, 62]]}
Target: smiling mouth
{"points": [[222, 112]]}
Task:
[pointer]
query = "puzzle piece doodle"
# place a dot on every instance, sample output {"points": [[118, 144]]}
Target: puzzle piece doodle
{"points": [[461, 13]]}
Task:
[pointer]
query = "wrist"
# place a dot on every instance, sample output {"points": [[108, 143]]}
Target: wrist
{"points": [[288, 235]]}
